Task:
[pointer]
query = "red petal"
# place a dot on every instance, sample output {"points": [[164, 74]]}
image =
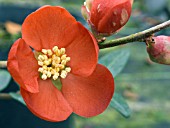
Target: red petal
{"points": [[23, 66], [89, 96], [12, 63], [48, 27], [49, 104], [83, 52]]}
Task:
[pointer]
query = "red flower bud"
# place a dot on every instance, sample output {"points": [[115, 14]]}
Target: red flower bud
{"points": [[159, 49], [107, 16]]}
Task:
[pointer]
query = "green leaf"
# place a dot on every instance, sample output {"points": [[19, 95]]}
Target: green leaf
{"points": [[17, 97], [57, 84], [4, 79], [120, 105], [115, 60]]}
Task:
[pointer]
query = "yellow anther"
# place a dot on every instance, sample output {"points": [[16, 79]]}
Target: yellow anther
{"points": [[58, 53], [53, 57], [63, 57], [57, 60], [56, 75], [61, 66], [55, 48], [44, 77], [63, 74], [53, 71], [57, 69], [62, 50], [49, 52], [68, 59], [45, 57], [68, 69], [63, 62], [40, 63], [44, 51], [53, 63], [49, 74], [49, 68], [47, 62], [45, 67], [45, 72], [50, 60], [41, 70], [40, 58]]}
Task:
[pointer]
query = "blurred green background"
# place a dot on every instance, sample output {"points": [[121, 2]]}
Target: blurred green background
{"points": [[144, 84]]}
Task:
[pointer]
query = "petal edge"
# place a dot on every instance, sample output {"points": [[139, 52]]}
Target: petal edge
{"points": [[89, 96]]}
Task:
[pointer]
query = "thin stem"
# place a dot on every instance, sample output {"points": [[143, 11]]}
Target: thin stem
{"points": [[5, 96], [3, 64], [140, 36]]}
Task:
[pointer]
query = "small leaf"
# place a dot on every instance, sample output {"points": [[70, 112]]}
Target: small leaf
{"points": [[120, 105], [4, 79], [115, 60], [57, 84], [17, 97]]}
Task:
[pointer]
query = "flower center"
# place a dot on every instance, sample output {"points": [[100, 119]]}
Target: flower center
{"points": [[53, 63]]}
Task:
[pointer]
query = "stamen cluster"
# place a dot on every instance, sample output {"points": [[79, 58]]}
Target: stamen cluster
{"points": [[53, 63]]}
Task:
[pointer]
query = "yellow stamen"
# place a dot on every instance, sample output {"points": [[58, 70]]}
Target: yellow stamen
{"points": [[44, 77], [63, 50], [55, 48], [49, 74], [40, 63], [53, 63], [45, 57], [49, 52], [63, 74], [40, 57], [56, 75], [41, 70], [44, 51], [45, 67], [68, 69], [63, 57], [68, 59]]}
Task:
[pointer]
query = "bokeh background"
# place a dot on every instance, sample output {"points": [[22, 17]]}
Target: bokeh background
{"points": [[144, 85]]}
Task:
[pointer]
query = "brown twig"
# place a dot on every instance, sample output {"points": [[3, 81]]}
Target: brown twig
{"points": [[5, 96], [3, 64], [140, 36]]}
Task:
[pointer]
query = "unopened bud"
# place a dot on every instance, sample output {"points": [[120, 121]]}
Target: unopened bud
{"points": [[84, 12], [159, 49], [88, 4], [107, 17]]}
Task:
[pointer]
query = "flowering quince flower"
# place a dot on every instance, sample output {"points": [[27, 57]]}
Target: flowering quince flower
{"points": [[67, 52], [106, 16], [158, 49]]}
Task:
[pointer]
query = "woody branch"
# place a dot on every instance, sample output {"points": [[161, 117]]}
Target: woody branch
{"points": [[140, 36], [3, 64]]}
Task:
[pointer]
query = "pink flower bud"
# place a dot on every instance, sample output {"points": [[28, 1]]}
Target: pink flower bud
{"points": [[159, 49], [107, 16], [85, 13], [89, 4]]}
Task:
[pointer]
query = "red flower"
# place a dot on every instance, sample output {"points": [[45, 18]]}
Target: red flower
{"points": [[107, 16], [67, 51]]}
